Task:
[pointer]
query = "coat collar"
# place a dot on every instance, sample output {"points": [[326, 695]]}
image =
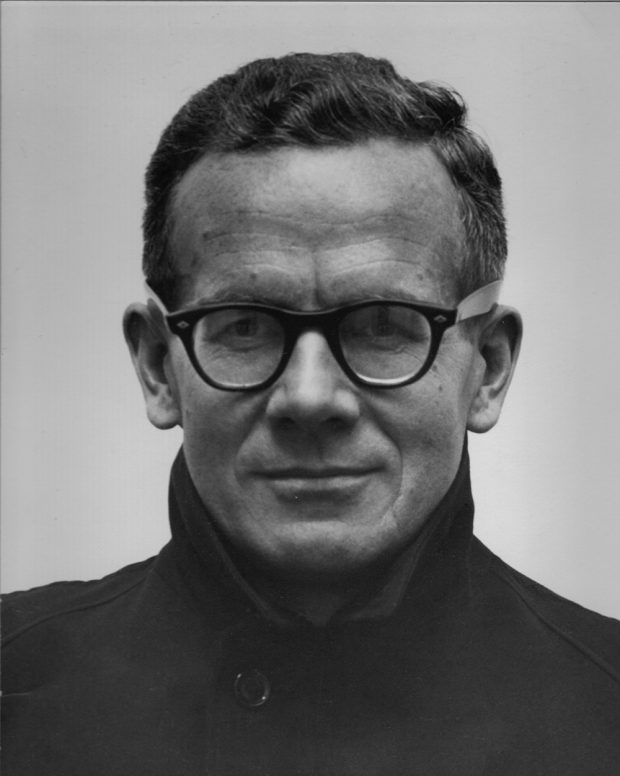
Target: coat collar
{"points": [[206, 562]]}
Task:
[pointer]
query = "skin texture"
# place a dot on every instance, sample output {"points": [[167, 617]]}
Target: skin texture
{"points": [[317, 479]]}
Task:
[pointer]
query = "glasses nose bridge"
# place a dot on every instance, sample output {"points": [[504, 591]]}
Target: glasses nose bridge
{"points": [[324, 323]]}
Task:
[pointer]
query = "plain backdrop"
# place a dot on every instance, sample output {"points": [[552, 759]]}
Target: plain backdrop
{"points": [[86, 90]]}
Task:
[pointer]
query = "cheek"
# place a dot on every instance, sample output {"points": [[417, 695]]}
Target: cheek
{"points": [[207, 423], [430, 422], [216, 425], [203, 409], [454, 377]]}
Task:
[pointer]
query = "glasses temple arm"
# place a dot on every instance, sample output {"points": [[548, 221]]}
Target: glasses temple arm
{"points": [[152, 297], [479, 302]]}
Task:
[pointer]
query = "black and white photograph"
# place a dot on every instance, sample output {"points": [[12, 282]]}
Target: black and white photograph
{"points": [[310, 388]]}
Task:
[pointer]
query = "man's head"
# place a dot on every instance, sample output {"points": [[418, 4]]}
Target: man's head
{"points": [[306, 184]]}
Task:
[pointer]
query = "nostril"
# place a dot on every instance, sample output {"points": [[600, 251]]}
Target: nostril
{"points": [[322, 405]]}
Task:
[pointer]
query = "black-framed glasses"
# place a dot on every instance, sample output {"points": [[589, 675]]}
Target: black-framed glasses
{"points": [[383, 344]]}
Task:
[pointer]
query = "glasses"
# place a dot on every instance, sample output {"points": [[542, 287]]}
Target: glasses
{"points": [[381, 344]]}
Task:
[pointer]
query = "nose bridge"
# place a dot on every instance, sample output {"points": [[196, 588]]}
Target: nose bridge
{"points": [[312, 365], [313, 388]]}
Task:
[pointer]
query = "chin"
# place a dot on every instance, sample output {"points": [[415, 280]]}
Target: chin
{"points": [[325, 556]]}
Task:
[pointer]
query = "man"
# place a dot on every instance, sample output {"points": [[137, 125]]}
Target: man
{"points": [[324, 242]]}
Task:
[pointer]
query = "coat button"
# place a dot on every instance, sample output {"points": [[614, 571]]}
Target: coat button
{"points": [[252, 689]]}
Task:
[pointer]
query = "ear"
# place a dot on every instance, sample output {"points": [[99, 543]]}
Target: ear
{"points": [[499, 342], [149, 349]]}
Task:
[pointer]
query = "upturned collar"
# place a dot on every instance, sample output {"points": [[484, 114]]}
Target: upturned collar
{"points": [[205, 559]]}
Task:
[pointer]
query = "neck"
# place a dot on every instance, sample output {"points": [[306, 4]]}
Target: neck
{"points": [[317, 599], [315, 604]]}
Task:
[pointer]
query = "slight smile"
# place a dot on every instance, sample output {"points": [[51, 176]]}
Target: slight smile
{"points": [[297, 483]]}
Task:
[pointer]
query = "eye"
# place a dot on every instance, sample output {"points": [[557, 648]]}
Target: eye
{"points": [[248, 326], [237, 328], [385, 325], [382, 323]]}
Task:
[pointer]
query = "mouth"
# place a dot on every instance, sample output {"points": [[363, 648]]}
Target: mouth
{"points": [[316, 484], [303, 473]]}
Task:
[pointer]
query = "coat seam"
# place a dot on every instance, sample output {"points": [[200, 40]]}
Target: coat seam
{"points": [[71, 610], [549, 623]]}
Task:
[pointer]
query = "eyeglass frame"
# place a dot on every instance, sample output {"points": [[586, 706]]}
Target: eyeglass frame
{"points": [[182, 322]]}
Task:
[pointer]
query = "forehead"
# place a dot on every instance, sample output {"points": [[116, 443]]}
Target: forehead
{"points": [[317, 225]]}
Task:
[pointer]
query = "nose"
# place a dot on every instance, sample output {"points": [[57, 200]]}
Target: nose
{"points": [[313, 391]]}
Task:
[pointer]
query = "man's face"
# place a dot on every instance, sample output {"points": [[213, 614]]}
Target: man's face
{"points": [[315, 476]]}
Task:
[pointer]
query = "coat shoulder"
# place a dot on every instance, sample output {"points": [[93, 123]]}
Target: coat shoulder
{"points": [[24, 610], [594, 635]]}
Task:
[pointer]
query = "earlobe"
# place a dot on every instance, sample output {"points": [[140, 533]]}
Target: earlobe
{"points": [[149, 350], [499, 343]]}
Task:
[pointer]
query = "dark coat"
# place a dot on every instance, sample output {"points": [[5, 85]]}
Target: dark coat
{"points": [[172, 666]]}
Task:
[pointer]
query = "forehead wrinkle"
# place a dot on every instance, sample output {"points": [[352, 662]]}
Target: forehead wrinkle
{"points": [[262, 225], [259, 222], [321, 271], [360, 232], [277, 286], [411, 279], [270, 216], [276, 243], [231, 178], [265, 223], [254, 250]]}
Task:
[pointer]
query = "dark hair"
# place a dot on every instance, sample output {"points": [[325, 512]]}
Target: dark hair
{"points": [[316, 100]]}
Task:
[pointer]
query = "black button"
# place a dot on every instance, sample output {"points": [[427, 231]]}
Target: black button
{"points": [[252, 689]]}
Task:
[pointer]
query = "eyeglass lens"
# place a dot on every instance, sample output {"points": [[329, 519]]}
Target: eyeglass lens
{"points": [[385, 341], [239, 346], [242, 346]]}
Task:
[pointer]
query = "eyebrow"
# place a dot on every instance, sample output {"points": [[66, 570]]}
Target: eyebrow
{"points": [[229, 296], [225, 295]]}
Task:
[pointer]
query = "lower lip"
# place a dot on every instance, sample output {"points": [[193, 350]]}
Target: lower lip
{"points": [[334, 488]]}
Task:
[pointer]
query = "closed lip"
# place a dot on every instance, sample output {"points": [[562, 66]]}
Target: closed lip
{"points": [[302, 473]]}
